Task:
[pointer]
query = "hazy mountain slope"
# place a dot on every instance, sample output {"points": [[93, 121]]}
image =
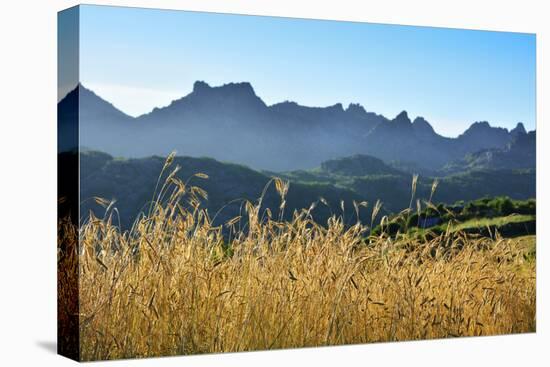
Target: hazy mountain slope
{"points": [[358, 165], [520, 153], [231, 123], [481, 135], [417, 144], [102, 126], [401, 140]]}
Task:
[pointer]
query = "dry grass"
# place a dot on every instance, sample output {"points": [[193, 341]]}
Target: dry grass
{"points": [[172, 286]]}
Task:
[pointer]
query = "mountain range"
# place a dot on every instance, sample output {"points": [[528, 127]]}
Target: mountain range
{"points": [[231, 123]]}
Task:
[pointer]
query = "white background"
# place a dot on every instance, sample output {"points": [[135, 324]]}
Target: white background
{"points": [[28, 181]]}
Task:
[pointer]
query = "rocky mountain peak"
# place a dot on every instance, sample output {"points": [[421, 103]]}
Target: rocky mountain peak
{"points": [[422, 126], [403, 117], [518, 130]]}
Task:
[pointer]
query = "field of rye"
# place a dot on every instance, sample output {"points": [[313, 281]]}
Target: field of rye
{"points": [[172, 284]]}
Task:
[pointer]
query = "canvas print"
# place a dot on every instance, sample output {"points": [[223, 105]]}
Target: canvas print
{"points": [[233, 183]]}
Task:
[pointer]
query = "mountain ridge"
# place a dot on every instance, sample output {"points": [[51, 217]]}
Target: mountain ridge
{"points": [[352, 107], [231, 122]]}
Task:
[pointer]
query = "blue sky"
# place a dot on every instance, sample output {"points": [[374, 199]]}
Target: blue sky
{"points": [[142, 58]]}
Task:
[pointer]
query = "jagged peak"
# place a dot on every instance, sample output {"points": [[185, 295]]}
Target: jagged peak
{"points": [[519, 129], [400, 124], [479, 125], [402, 117], [200, 85], [484, 129], [243, 88], [476, 126], [356, 108], [420, 123]]}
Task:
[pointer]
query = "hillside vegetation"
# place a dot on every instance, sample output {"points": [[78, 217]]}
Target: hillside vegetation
{"points": [[357, 178], [486, 217]]}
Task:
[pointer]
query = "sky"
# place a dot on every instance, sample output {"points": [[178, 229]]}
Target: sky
{"points": [[139, 59], [67, 51]]}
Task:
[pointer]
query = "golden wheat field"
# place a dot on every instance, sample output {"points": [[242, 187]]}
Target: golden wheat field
{"points": [[172, 284]]}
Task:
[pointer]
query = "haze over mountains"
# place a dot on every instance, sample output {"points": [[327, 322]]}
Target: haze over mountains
{"points": [[231, 123]]}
